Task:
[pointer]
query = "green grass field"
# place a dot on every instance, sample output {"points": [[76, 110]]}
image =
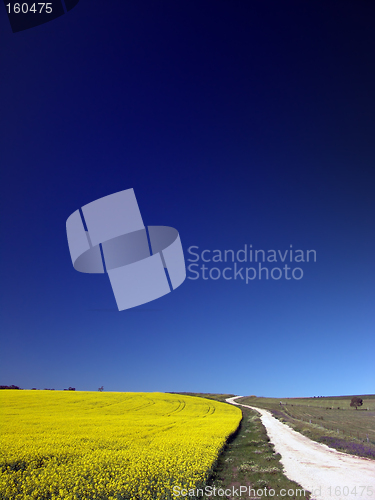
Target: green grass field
{"points": [[331, 418]]}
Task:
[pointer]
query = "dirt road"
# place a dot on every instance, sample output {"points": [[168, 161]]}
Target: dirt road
{"points": [[327, 473]]}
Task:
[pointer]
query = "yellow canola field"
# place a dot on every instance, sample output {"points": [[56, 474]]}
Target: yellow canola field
{"points": [[107, 446]]}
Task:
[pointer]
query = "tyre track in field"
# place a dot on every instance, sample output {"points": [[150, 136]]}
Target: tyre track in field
{"points": [[327, 473]]}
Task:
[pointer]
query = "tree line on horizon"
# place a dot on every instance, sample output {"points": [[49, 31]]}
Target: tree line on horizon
{"points": [[355, 401]]}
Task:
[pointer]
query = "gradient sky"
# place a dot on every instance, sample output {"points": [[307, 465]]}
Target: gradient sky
{"points": [[236, 122]]}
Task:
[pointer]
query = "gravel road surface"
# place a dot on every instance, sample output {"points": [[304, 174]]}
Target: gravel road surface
{"points": [[327, 473]]}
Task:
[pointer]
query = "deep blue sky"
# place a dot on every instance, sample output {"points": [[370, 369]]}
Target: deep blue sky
{"points": [[236, 122]]}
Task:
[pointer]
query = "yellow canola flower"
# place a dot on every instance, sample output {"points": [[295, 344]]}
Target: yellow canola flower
{"points": [[64, 445]]}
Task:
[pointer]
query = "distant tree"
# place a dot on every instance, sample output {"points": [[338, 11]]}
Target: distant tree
{"points": [[101, 389], [356, 401], [9, 387], [71, 388]]}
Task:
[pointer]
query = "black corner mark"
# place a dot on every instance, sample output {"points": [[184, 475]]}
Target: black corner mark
{"points": [[69, 4], [26, 14]]}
